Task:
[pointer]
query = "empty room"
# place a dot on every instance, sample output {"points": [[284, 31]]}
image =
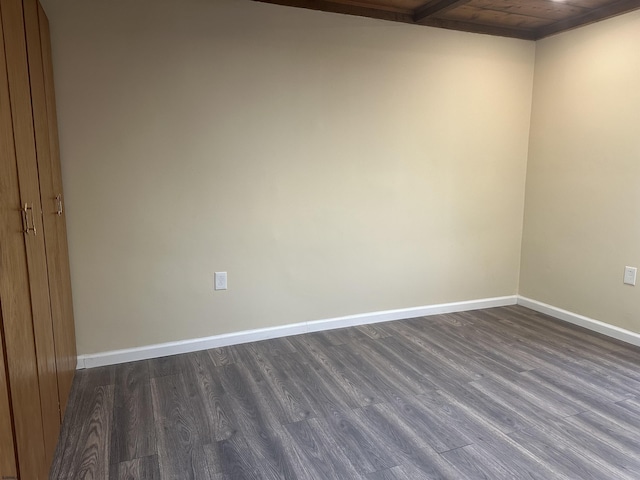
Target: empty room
{"points": [[319, 239]]}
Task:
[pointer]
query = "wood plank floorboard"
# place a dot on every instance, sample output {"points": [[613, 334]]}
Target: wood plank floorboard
{"points": [[133, 410], [144, 467], [500, 393]]}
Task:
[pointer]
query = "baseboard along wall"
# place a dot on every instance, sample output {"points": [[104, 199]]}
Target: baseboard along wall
{"points": [[192, 345], [582, 321]]}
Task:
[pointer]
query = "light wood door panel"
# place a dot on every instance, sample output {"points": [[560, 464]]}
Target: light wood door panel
{"points": [[20, 95], [58, 254], [51, 404], [17, 319], [8, 466]]}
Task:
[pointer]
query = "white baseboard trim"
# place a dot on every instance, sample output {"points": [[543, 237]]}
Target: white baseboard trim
{"points": [[586, 322], [192, 345]]}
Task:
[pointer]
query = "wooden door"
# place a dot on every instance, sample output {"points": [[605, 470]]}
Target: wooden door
{"points": [[56, 229], [15, 294], [50, 181], [8, 466], [24, 134]]}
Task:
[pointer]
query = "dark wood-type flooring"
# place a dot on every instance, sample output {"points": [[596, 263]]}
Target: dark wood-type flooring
{"points": [[503, 393]]}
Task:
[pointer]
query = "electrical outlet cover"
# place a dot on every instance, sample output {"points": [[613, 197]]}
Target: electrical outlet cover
{"points": [[630, 274], [220, 282]]}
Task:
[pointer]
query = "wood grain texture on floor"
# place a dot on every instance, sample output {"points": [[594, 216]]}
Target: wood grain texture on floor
{"points": [[502, 393]]}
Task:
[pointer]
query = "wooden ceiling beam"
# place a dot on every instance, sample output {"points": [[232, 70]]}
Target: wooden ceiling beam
{"points": [[395, 15], [430, 13], [595, 15], [433, 8], [480, 28]]}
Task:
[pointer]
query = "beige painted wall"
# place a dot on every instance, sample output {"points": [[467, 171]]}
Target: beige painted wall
{"points": [[333, 165], [582, 217]]}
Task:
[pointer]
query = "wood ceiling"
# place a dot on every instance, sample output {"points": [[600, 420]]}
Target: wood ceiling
{"points": [[526, 19]]}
